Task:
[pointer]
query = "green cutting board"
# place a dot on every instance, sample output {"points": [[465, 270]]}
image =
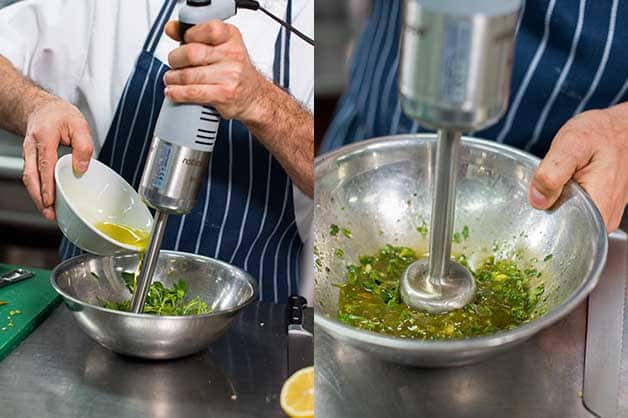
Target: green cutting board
{"points": [[34, 297]]}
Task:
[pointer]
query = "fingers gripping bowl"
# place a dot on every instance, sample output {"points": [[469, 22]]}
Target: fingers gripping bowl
{"points": [[380, 190], [100, 194]]}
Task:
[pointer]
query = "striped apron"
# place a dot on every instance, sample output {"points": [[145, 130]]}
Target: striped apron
{"points": [[569, 57], [245, 212]]}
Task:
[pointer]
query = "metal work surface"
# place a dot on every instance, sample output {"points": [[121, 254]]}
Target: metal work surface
{"points": [[605, 314], [542, 377], [59, 372]]}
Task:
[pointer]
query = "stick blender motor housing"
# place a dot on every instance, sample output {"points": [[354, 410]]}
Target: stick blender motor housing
{"points": [[456, 62], [178, 158]]}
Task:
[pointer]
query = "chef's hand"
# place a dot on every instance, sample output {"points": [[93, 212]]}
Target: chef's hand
{"points": [[591, 148], [52, 122], [213, 67]]}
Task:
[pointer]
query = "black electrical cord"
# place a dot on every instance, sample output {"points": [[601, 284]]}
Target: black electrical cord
{"points": [[254, 5]]}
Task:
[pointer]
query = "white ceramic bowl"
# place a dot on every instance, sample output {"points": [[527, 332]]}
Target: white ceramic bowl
{"points": [[99, 195]]}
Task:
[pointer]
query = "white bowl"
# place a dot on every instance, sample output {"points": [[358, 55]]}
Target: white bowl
{"points": [[99, 195]]}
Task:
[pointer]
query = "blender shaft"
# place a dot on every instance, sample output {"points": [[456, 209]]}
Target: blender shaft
{"points": [[150, 262], [443, 205]]}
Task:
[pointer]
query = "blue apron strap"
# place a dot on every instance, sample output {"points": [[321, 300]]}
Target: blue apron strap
{"points": [[286, 74], [281, 64], [158, 26]]}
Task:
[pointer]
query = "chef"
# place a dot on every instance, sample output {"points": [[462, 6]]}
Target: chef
{"points": [[93, 74], [568, 100]]}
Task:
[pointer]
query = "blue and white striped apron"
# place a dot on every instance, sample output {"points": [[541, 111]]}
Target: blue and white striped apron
{"points": [[570, 56], [245, 212]]}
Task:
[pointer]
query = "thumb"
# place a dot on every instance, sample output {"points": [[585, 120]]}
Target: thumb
{"points": [[172, 30], [566, 156], [82, 147]]}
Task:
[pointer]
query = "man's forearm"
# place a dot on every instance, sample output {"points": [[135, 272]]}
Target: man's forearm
{"points": [[287, 130], [18, 97]]}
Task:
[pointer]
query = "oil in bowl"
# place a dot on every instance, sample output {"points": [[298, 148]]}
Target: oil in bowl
{"points": [[125, 234]]}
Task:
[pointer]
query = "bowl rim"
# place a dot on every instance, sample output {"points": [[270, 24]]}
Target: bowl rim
{"points": [[61, 191], [86, 257], [335, 327]]}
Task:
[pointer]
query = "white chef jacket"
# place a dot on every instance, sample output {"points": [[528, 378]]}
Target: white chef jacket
{"points": [[84, 51]]}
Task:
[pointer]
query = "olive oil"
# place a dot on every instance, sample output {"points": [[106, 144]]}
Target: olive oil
{"points": [[369, 299], [160, 300], [125, 234]]}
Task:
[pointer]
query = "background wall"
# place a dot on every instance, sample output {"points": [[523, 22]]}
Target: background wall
{"points": [[25, 236], [337, 24]]}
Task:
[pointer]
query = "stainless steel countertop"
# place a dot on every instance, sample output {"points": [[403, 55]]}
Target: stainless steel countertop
{"points": [[543, 377], [59, 372]]}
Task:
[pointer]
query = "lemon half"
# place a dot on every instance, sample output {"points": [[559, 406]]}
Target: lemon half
{"points": [[297, 394]]}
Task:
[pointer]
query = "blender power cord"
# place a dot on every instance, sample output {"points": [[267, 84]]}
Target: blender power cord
{"points": [[254, 5]]}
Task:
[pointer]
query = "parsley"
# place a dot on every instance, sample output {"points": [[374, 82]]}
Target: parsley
{"points": [[335, 229], [459, 236], [369, 298], [161, 300], [422, 229]]}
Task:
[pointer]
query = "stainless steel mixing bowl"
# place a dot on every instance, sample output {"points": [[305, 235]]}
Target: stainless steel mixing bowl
{"points": [[225, 288], [381, 191]]}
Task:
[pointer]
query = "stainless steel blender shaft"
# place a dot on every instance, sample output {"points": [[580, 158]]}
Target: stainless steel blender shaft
{"points": [[455, 68], [177, 162], [439, 284], [443, 204], [150, 262]]}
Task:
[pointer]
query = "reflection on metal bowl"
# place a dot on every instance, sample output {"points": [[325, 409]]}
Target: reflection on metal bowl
{"points": [[226, 289], [381, 191]]}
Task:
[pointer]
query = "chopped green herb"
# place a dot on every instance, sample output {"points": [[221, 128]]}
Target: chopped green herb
{"points": [[536, 294], [335, 229], [422, 229], [548, 257], [162, 300], [369, 299], [459, 236], [129, 280], [465, 232], [340, 252]]}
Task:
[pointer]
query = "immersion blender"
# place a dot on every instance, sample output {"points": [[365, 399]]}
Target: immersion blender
{"points": [[455, 68], [178, 157]]}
